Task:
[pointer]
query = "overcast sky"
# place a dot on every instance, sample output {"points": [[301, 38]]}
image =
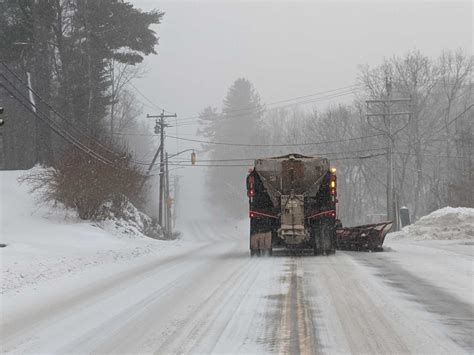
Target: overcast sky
{"points": [[286, 49], [289, 48]]}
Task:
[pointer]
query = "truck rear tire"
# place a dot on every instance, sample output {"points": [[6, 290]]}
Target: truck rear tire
{"points": [[324, 239]]}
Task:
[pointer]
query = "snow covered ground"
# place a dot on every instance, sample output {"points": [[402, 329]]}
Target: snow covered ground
{"points": [[444, 224], [44, 242], [69, 286], [438, 248]]}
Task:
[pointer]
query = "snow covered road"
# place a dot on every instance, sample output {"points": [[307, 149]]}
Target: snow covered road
{"points": [[210, 297]]}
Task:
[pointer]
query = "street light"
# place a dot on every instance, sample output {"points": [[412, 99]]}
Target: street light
{"points": [[193, 155]]}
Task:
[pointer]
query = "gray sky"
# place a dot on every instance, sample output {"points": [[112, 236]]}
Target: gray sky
{"points": [[286, 49], [289, 48]]}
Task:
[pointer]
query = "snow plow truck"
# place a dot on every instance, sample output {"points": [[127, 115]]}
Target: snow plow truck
{"points": [[292, 205]]}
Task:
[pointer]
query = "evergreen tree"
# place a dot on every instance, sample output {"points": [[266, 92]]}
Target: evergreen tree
{"points": [[239, 123], [67, 47], [25, 34], [103, 31]]}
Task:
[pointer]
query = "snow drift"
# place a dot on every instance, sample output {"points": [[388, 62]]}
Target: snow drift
{"points": [[45, 242], [444, 224]]}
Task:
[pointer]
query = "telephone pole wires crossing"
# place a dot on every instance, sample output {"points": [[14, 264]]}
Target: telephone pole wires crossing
{"points": [[160, 125], [389, 132]]}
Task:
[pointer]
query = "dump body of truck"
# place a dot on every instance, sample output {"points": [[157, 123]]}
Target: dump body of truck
{"points": [[292, 202]]}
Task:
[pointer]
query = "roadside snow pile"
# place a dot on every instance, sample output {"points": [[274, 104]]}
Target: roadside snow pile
{"points": [[444, 224], [127, 220], [46, 242]]}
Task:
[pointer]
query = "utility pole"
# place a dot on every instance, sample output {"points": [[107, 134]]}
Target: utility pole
{"points": [[161, 125], [175, 197], [112, 106], [392, 198], [167, 199], [2, 146]]}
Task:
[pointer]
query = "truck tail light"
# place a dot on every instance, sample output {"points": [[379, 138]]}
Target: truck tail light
{"points": [[333, 185], [250, 188]]}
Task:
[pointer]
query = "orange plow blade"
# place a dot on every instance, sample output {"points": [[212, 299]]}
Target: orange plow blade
{"points": [[369, 237]]}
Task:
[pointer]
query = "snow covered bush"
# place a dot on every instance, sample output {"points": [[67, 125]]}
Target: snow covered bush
{"points": [[86, 184], [126, 218]]}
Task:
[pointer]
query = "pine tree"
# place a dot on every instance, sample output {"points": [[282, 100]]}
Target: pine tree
{"points": [[67, 47], [239, 123]]}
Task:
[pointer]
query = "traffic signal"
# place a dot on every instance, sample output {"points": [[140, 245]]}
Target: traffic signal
{"points": [[193, 158], [1, 119], [170, 202]]}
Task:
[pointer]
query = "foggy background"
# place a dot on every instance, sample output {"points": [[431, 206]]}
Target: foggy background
{"points": [[286, 49]]}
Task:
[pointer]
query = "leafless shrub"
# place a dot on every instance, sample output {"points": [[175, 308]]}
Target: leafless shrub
{"points": [[86, 184]]}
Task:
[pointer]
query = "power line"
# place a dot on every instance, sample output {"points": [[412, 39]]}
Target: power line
{"points": [[60, 132], [252, 159], [431, 155], [195, 119], [247, 165], [51, 108], [282, 101], [275, 145], [71, 124], [449, 123], [155, 106]]}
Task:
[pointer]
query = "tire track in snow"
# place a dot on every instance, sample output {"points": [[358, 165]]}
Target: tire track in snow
{"points": [[230, 319], [201, 319], [34, 318], [364, 326], [136, 327], [457, 315], [297, 328]]}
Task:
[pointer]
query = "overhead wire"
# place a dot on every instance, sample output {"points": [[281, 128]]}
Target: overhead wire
{"points": [[275, 145], [252, 159], [449, 123], [248, 165], [52, 108], [249, 108], [195, 119], [155, 106], [61, 133], [57, 127]]}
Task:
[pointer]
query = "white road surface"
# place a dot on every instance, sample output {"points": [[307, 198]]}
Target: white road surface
{"points": [[210, 297]]}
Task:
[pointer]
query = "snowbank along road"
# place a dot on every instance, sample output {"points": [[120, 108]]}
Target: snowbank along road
{"points": [[209, 296]]}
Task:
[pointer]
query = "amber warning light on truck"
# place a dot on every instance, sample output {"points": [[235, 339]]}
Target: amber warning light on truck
{"points": [[333, 184]]}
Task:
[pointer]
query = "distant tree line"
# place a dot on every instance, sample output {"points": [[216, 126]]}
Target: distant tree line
{"points": [[433, 145]]}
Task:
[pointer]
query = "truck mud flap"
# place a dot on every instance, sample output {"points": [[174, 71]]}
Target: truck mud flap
{"points": [[369, 237], [261, 241]]}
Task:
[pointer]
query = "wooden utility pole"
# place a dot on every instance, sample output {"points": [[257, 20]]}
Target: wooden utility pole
{"points": [[167, 200], [160, 126], [392, 199], [2, 146], [175, 197]]}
